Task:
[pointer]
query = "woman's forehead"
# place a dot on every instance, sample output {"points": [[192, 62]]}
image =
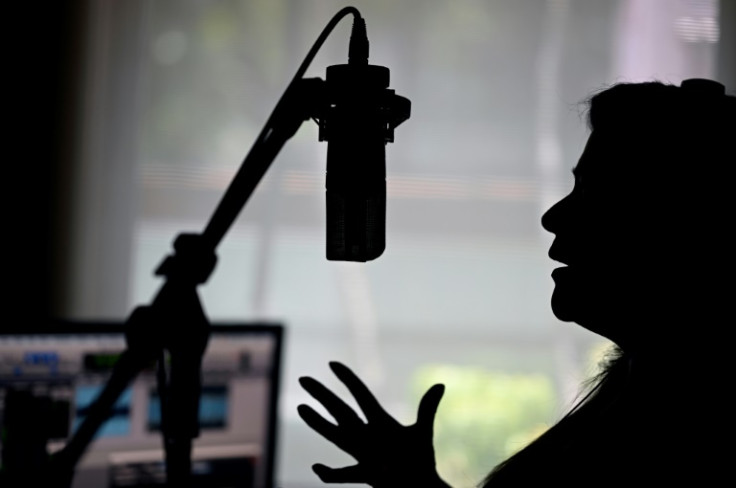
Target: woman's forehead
{"points": [[600, 149], [589, 152]]}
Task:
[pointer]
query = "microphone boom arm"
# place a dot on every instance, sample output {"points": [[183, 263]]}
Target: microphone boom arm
{"points": [[300, 102]]}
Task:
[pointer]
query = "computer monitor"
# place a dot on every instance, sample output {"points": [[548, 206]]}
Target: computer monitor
{"points": [[68, 362]]}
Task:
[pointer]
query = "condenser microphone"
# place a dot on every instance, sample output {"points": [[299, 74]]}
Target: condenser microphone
{"points": [[360, 115]]}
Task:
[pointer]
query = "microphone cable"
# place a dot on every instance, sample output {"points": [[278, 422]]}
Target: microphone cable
{"points": [[357, 49]]}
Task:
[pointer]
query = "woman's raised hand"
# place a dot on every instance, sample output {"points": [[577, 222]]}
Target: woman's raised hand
{"points": [[388, 454]]}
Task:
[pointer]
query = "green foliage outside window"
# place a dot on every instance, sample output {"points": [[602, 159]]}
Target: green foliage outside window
{"points": [[484, 417]]}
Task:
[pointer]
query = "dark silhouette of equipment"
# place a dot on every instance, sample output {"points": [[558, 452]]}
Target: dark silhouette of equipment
{"points": [[357, 114]]}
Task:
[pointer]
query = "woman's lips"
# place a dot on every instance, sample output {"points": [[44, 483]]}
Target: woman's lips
{"points": [[560, 272]]}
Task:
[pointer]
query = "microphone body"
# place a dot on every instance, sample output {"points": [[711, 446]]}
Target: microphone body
{"points": [[356, 126]]}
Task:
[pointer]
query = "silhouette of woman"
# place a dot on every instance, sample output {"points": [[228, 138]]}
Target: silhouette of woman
{"points": [[647, 253]]}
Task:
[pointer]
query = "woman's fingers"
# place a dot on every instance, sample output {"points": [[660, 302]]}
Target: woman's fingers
{"points": [[428, 406], [341, 411], [322, 426], [384, 449], [368, 403], [348, 474]]}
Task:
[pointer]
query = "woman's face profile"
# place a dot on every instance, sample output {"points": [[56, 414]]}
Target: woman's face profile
{"points": [[593, 242]]}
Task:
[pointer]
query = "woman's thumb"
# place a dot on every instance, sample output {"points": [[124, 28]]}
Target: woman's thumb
{"points": [[428, 405]]}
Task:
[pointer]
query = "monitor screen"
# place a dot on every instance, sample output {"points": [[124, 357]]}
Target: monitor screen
{"points": [[67, 363]]}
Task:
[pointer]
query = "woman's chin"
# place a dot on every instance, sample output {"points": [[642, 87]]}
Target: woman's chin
{"points": [[563, 308], [568, 310], [566, 295]]}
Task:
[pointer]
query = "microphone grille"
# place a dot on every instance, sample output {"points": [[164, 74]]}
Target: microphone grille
{"points": [[356, 226]]}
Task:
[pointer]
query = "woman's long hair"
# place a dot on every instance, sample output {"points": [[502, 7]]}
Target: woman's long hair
{"points": [[544, 456]]}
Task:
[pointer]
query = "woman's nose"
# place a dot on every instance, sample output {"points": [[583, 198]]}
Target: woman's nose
{"points": [[552, 217]]}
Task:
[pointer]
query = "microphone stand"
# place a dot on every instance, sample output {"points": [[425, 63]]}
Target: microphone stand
{"points": [[173, 329]]}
